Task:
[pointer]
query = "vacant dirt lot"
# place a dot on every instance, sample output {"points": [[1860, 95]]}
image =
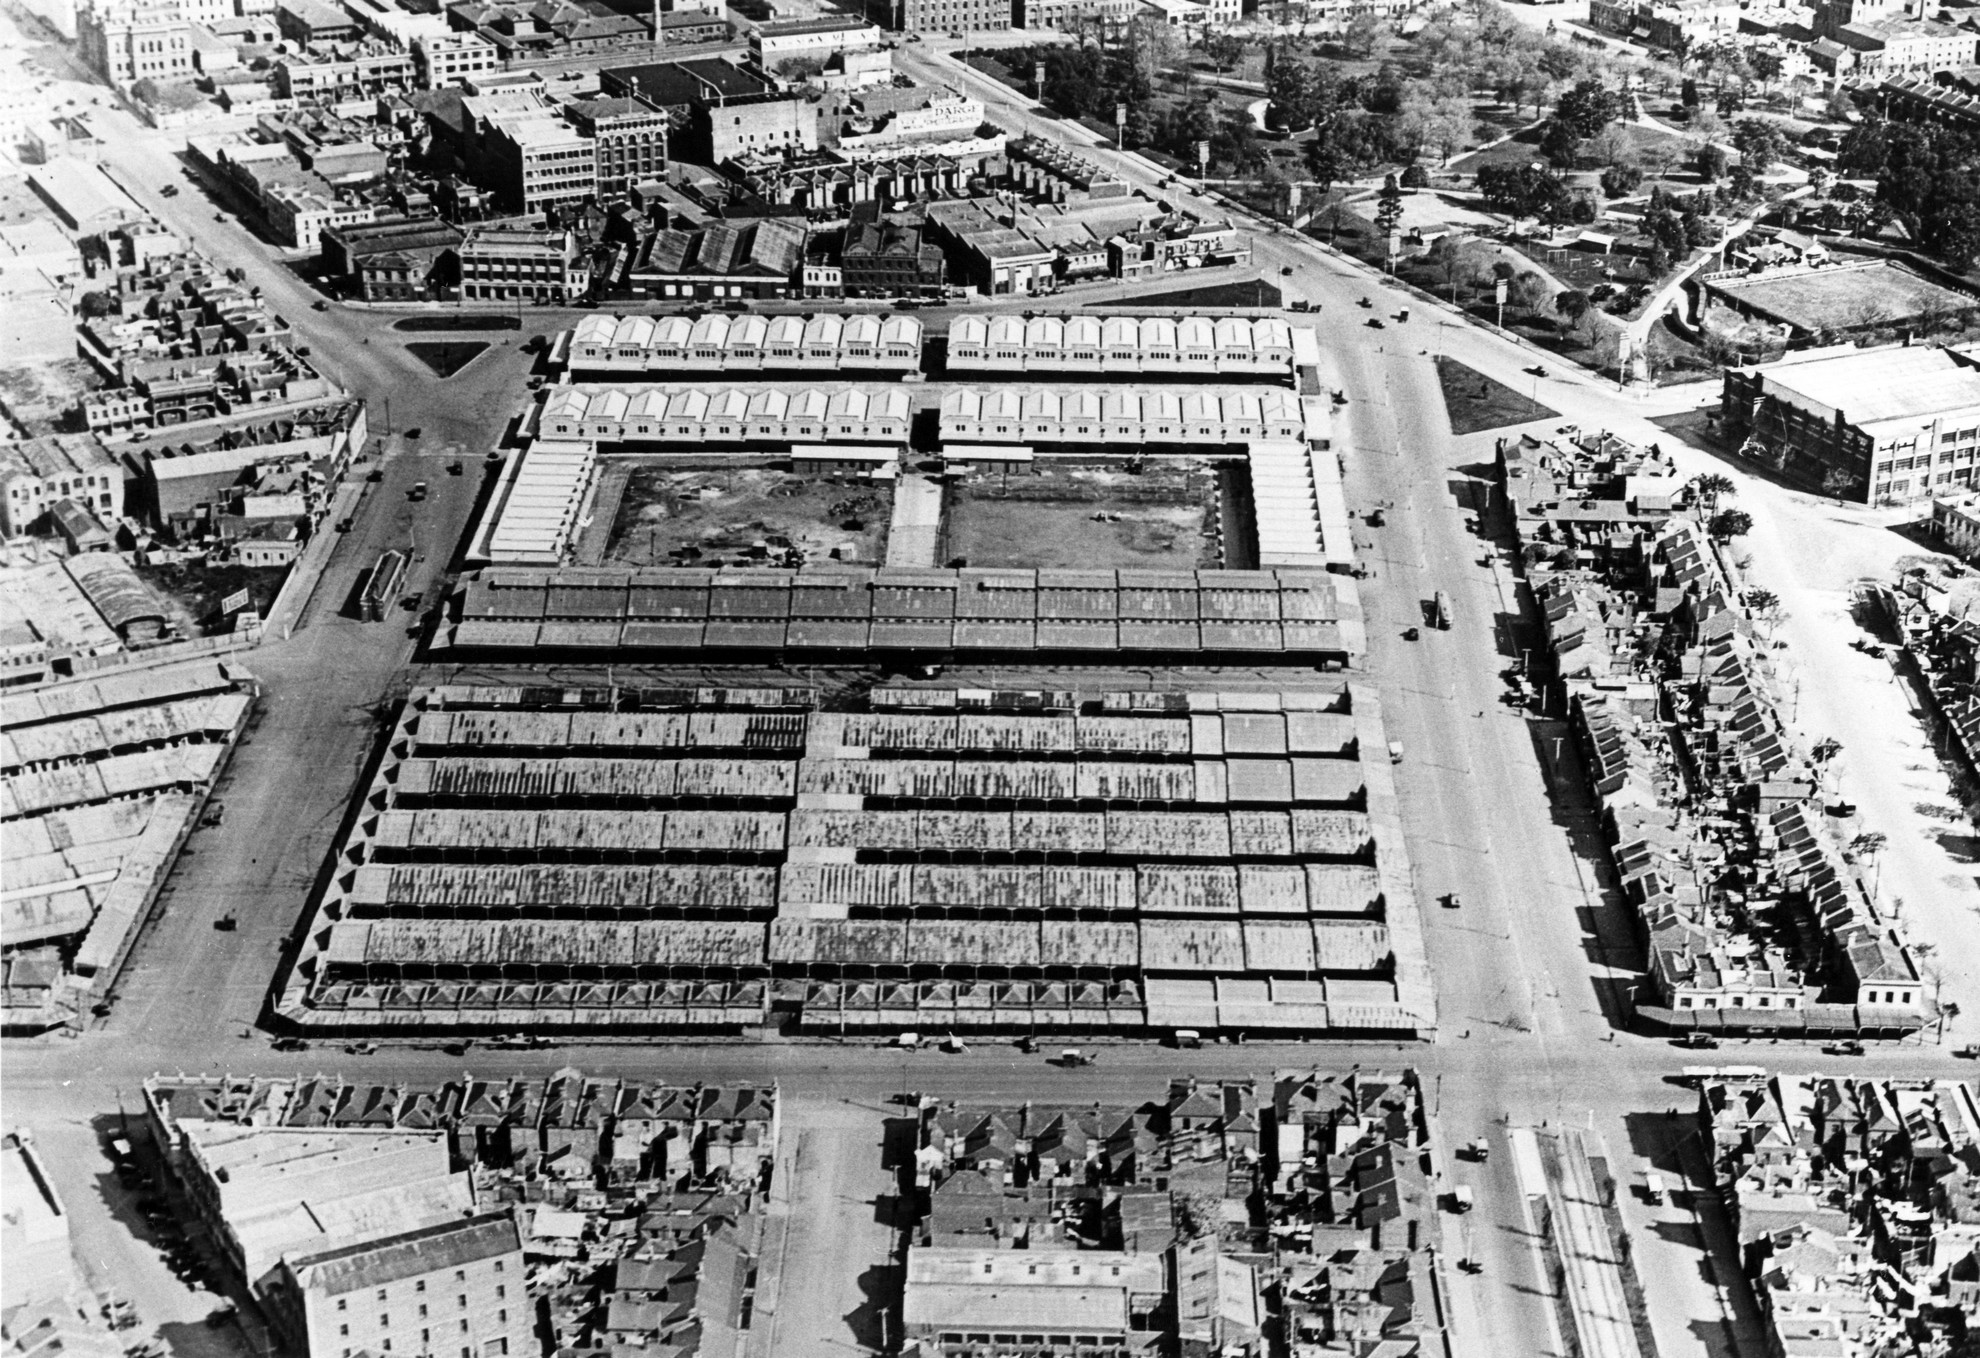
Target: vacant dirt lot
{"points": [[1074, 517], [702, 518]]}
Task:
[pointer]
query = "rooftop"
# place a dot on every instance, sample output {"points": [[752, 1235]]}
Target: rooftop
{"points": [[1876, 385]]}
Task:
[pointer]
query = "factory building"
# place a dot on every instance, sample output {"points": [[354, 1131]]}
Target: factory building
{"points": [[629, 346], [716, 858], [1875, 426], [1189, 346], [1303, 615]]}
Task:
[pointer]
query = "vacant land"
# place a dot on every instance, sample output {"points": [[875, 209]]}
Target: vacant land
{"points": [[1474, 402], [1072, 517], [1846, 298], [43, 393], [447, 357], [668, 517], [193, 593]]}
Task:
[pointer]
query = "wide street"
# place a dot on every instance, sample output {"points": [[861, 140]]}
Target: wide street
{"points": [[1527, 968]]}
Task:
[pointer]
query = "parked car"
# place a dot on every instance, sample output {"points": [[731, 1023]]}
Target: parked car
{"points": [[170, 191], [1698, 1041]]}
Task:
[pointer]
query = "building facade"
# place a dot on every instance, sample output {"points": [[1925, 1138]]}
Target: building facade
{"points": [[1875, 426], [535, 266], [455, 57], [128, 42], [943, 16], [450, 1289], [38, 474], [629, 140], [881, 258]]}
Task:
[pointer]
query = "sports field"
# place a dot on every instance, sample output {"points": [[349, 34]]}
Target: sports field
{"points": [[1848, 298]]}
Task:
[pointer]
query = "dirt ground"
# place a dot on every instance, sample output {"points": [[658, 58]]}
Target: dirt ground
{"points": [[1073, 517], [43, 392], [194, 593], [710, 517]]}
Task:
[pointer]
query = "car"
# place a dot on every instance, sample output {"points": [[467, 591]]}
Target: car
{"points": [[1453, 901], [219, 216], [170, 191], [1698, 1041], [226, 924], [1375, 323], [343, 525], [319, 305], [417, 493], [375, 475], [360, 1048], [1968, 1053], [290, 1044], [1287, 271], [413, 432], [454, 467], [1851, 1048], [1411, 633]]}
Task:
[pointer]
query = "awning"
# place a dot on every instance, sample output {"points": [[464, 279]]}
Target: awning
{"points": [[1833, 1018]]}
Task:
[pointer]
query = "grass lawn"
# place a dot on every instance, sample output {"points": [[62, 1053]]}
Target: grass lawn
{"points": [[1474, 402], [446, 357], [1522, 149]]}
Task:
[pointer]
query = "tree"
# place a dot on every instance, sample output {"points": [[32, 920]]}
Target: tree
{"points": [[1711, 162], [1587, 108], [1711, 487], [1730, 523], [1363, 34], [1741, 184], [1323, 163], [1388, 208], [1225, 50], [1574, 305], [799, 70], [1521, 190], [1529, 292], [1688, 93], [1560, 145], [1759, 143], [1766, 64], [1619, 181]]}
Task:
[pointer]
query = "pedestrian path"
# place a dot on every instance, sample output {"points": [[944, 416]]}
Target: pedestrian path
{"points": [[914, 537]]}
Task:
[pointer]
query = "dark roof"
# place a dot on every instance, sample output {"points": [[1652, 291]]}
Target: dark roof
{"points": [[409, 1255], [682, 82]]}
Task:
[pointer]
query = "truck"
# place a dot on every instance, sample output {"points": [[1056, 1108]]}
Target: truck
{"points": [[1653, 1188], [1462, 1199], [1395, 752], [1440, 611]]}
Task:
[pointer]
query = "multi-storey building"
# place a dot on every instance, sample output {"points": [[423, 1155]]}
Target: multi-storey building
{"points": [[775, 124], [1876, 426], [129, 42], [534, 159], [402, 261], [943, 16], [884, 258], [452, 1288], [1075, 15], [37, 475], [454, 57], [372, 70], [628, 137], [537, 266]]}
